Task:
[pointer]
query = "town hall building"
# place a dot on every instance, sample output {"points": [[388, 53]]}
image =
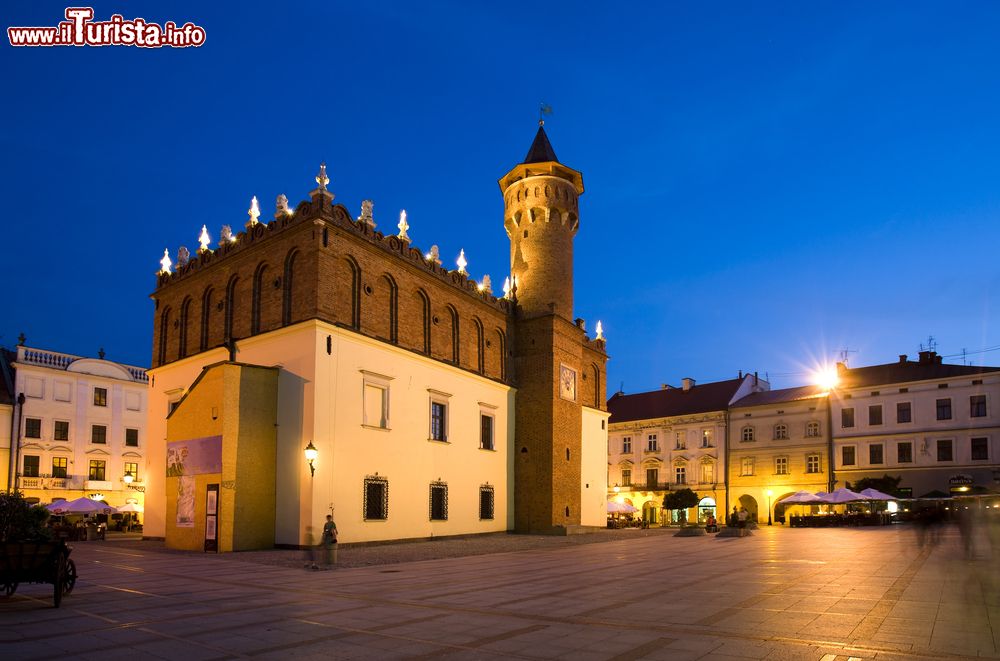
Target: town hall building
{"points": [[313, 365]]}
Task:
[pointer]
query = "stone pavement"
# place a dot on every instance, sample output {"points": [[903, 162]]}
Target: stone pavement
{"points": [[825, 595]]}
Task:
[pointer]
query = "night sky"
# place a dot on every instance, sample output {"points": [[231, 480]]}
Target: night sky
{"points": [[767, 183]]}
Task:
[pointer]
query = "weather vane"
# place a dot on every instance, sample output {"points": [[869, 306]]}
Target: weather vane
{"points": [[543, 110]]}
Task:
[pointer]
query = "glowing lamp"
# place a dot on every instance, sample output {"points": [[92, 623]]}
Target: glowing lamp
{"points": [[311, 454]]}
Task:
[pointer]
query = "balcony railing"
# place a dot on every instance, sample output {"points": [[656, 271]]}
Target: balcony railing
{"points": [[666, 486], [61, 361]]}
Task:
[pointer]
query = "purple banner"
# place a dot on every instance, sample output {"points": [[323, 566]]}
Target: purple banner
{"points": [[194, 457]]}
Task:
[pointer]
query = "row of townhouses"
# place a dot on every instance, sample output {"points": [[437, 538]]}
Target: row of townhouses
{"points": [[737, 443]]}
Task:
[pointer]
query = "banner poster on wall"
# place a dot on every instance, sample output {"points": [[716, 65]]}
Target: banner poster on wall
{"points": [[185, 459]]}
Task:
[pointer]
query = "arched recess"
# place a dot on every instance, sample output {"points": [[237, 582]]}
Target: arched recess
{"points": [[287, 287], [384, 311], [455, 334], [750, 503], [348, 303], [501, 354], [164, 330], [230, 307], [206, 318], [595, 374], [425, 320], [259, 282], [479, 341], [182, 341]]}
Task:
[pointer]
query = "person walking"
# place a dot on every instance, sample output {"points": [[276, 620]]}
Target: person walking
{"points": [[330, 541]]}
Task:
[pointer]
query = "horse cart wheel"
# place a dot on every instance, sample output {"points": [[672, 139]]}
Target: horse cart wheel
{"points": [[70, 576]]}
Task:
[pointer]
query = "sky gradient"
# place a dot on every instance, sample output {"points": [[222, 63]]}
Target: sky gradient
{"points": [[766, 183]]}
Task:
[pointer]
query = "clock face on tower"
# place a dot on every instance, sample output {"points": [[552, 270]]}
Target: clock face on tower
{"points": [[567, 383]]}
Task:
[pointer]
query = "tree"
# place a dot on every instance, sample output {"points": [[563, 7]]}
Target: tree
{"points": [[886, 484], [680, 500], [21, 521]]}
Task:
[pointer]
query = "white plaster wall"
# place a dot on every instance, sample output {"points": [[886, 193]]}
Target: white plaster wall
{"points": [[594, 467]]}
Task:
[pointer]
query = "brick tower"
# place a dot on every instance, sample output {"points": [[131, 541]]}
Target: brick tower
{"points": [[558, 369]]}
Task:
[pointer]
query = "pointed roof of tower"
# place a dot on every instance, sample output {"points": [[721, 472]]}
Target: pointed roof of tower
{"points": [[541, 149]]}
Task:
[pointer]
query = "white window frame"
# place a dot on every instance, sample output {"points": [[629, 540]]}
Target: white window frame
{"points": [[781, 465], [488, 411], [626, 445], [813, 429], [747, 434], [371, 381], [781, 432], [442, 399], [841, 455], [652, 443], [680, 440], [706, 438], [814, 458], [746, 462]]}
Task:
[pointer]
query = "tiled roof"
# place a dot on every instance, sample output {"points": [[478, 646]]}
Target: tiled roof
{"points": [[541, 150], [673, 401], [928, 367], [781, 396]]}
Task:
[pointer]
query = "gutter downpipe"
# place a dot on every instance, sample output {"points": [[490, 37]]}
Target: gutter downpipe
{"points": [[16, 454]]}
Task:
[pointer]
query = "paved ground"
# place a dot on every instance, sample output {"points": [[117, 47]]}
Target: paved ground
{"points": [[782, 594]]}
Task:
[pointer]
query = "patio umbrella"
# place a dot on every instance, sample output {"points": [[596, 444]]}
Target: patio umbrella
{"points": [[875, 494], [801, 498], [57, 506], [841, 496], [84, 505], [132, 507], [620, 508]]}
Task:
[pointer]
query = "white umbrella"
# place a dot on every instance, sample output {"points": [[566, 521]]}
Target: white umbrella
{"points": [[620, 508], [841, 496], [84, 505], [875, 494], [800, 497], [131, 507]]}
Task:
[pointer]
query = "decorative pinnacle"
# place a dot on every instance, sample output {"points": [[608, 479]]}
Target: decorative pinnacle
{"points": [[506, 287], [321, 179], [204, 240], [462, 262], [486, 285], [165, 263], [282, 206], [366, 216], [434, 255], [226, 236], [254, 212], [600, 330], [403, 226]]}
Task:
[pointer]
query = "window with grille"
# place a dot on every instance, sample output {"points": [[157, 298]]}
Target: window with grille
{"points": [[486, 501], [31, 465], [97, 471], [59, 466], [32, 428], [98, 434], [977, 406], [439, 501], [812, 463], [376, 499], [781, 465], [60, 431], [100, 396]]}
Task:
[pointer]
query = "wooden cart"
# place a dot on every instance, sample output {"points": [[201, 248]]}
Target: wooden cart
{"points": [[37, 562]]}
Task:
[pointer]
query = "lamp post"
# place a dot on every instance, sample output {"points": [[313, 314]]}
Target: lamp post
{"points": [[311, 454], [769, 494]]}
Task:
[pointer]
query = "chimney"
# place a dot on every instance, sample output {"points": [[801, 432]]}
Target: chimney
{"points": [[664, 386], [755, 378], [902, 358], [927, 357], [688, 383], [741, 375]]}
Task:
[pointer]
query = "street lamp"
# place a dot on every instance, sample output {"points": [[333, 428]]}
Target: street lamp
{"points": [[311, 454], [769, 494]]}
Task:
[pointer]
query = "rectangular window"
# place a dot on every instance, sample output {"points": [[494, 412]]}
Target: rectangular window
{"points": [[903, 412], [706, 438], [944, 450], [439, 501], [980, 449], [98, 434], [977, 406], [100, 396], [679, 440], [652, 477], [651, 443], [376, 499], [680, 475], [746, 466], [32, 428], [59, 466], [707, 473], [31, 465], [132, 438], [626, 477], [812, 463], [904, 452], [96, 470], [875, 453], [60, 431], [439, 419], [132, 468], [944, 409], [812, 429], [376, 401], [781, 465], [847, 456], [847, 417], [627, 445], [485, 432], [486, 503], [875, 414]]}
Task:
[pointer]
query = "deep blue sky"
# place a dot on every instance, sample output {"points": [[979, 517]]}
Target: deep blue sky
{"points": [[767, 183]]}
